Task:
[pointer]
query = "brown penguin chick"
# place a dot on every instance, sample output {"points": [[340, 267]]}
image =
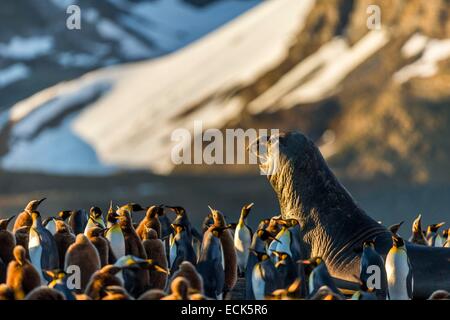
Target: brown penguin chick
{"points": [[83, 254], [198, 297], [440, 295], [151, 220], [179, 288], [153, 294], [228, 250], [7, 244], [7, 241], [116, 293], [22, 276], [22, 235], [101, 279], [82, 297], [24, 218], [44, 293], [188, 271], [6, 293], [63, 238], [154, 248], [325, 293], [95, 235]]}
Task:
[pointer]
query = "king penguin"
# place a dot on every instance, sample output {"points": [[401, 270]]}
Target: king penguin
{"points": [[115, 236], [59, 282], [243, 239], [42, 247], [95, 235], [433, 237], [370, 258], [228, 250], [63, 238], [417, 236], [7, 242], [399, 271], [22, 276], [101, 279], [95, 219], [265, 278], [154, 248], [318, 276], [24, 218], [286, 268], [151, 220], [77, 221], [83, 255], [210, 264], [181, 248]]}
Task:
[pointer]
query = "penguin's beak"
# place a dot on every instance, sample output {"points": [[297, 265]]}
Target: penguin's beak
{"points": [[250, 206], [10, 218], [161, 269], [440, 225], [42, 200]]}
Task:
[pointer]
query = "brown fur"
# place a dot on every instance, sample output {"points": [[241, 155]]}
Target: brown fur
{"points": [[100, 243], [151, 220], [154, 249], [63, 238], [188, 271], [179, 288], [229, 253], [133, 246], [45, 293], [6, 294], [22, 276], [83, 254], [7, 242], [101, 279], [116, 293], [22, 235], [153, 294], [24, 218]]}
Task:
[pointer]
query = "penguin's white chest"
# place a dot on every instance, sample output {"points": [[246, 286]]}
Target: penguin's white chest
{"points": [[35, 250], [51, 226], [172, 251], [242, 242], [397, 270], [258, 283], [117, 241]]}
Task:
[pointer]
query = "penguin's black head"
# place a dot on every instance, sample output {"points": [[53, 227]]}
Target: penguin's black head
{"points": [[95, 212], [397, 241], [369, 244], [4, 223], [179, 211], [55, 274], [218, 231], [310, 264], [64, 215], [246, 210], [281, 255], [262, 256], [435, 227], [178, 228]]}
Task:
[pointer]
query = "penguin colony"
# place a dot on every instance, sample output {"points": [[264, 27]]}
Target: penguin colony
{"points": [[162, 258]]}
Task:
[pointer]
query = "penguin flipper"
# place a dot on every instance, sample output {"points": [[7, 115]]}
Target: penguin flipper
{"points": [[197, 234], [410, 281]]}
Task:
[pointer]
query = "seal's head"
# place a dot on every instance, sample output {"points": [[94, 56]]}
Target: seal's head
{"points": [[296, 170]]}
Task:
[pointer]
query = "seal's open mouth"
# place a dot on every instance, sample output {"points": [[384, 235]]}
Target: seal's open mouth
{"points": [[264, 148]]}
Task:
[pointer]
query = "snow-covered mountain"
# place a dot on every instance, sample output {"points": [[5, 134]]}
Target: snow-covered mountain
{"points": [[37, 49], [375, 100]]}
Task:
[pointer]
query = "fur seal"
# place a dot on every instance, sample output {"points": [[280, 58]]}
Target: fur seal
{"points": [[332, 223], [24, 218]]}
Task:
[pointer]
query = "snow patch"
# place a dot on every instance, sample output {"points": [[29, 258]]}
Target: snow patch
{"points": [[26, 48], [436, 50], [13, 74]]}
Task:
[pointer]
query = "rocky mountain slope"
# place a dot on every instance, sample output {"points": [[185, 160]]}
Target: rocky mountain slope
{"points": [[375, 100]]}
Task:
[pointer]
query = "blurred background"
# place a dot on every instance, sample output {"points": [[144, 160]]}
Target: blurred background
{"points": [[86, 115]]}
